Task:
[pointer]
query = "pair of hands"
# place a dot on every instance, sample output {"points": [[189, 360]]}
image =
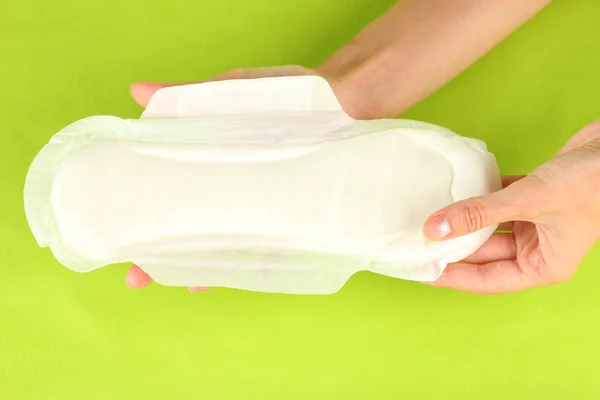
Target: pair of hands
{"points": [[552, 214]]}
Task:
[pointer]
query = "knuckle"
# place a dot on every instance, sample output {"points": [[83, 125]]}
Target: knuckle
{"points": [[473, 216]]}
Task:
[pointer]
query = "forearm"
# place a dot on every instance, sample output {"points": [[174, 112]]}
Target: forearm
{"points": [[418, 46]]}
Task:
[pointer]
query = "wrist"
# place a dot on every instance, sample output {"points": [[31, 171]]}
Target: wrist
{"points": [[359, 88]]}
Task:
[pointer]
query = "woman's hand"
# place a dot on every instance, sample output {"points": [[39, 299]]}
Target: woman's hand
{"points": [[554, 214]]}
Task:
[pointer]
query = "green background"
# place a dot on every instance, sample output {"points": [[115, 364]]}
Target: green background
{"points": [[65, 335]]}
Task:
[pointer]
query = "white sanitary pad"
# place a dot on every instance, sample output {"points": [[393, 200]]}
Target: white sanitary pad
{"points": [[261, 184]]}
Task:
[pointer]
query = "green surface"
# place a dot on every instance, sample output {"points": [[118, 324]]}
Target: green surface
{"points": [[65, 335]]}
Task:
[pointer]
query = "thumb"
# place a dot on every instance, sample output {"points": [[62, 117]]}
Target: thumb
{"points": [[470, 215]]}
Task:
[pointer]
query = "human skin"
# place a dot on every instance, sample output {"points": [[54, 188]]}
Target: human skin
{"points": [[553, 215], [405, 55]]}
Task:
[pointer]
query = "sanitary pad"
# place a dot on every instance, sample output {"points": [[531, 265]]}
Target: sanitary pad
{"points": [[262, 184]]}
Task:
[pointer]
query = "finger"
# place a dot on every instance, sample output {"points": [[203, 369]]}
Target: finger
{"points": [[510, 179], [516, 202], [143, 91], [136, 278], [196, 289], [496, 277], [500, 246], [469, 216]]}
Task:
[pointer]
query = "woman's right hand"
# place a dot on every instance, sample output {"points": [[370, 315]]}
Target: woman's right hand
{"points": [[554, 214]]}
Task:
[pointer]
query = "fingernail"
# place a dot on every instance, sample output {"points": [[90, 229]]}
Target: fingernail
{"points": [[437, 228]]}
